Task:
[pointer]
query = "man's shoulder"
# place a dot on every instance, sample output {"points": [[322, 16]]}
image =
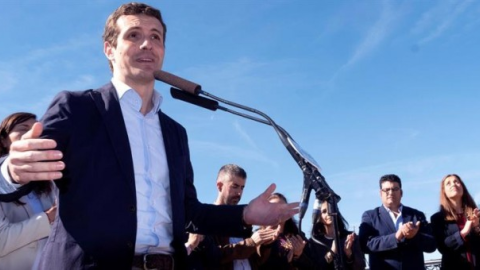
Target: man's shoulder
{"points": [[437, 216], [85, 93], [373, 211], [407, 209]]}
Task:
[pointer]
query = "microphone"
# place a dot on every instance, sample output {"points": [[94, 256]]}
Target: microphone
{"points": [[203, 102], [316, 211], [307, 188], [177, 82]]}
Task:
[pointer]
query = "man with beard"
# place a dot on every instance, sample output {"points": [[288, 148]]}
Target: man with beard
{"points": [[395, 236], [220, 252]]}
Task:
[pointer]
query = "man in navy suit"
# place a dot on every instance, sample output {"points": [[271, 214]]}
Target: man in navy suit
{"points": [[123, 166], [395, 236]]}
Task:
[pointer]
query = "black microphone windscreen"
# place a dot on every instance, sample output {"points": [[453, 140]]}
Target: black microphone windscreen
{"points": [[194, 99], [177, 82]]}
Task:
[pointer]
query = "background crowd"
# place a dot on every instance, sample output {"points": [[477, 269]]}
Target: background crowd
{"points": [[83, 136], [394, 236]]}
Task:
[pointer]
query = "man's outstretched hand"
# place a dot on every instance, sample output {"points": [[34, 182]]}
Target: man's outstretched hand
{"points": [[32, 159], [261, 212]]}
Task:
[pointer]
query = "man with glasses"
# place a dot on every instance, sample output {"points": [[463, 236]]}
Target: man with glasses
{"points": [[393, 235]]}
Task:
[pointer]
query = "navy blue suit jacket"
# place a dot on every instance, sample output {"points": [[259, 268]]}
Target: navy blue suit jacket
{"points": [[377, 238], [451, 244], [97, 222]]}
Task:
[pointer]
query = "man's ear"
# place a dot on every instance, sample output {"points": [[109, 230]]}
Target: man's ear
{"points": [[108, 50], [219, 186]]}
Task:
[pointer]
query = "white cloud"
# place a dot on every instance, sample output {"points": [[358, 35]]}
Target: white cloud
{"points": [[372, 39], [439, 19], [244, 135]]}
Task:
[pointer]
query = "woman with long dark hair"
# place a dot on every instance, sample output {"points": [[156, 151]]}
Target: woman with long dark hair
{"points": [[456, 225], [286, 251], [25, 218], [321, 245]]}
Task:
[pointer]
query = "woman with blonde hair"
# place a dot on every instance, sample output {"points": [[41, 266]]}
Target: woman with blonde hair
{"points": [[456, 225]]}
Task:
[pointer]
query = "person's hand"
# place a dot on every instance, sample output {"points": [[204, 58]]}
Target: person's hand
{"points": [[476, 212], [32, 159], [400, 234], [466, 229], [261, 212], [298, 244], [410, 229], [51, 213], [348, 245], [194, 240], [474, 218], [264, 236]]}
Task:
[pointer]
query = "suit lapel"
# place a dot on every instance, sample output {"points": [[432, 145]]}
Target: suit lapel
{"points": [[169, 141], [108, 105], [407, 216], [386, 219]]}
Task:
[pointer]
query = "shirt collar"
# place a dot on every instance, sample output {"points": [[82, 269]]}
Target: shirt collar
{"points": [[121, 88], [400, 208]]}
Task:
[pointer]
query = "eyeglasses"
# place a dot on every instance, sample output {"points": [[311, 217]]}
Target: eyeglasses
{"points": [[387, 190]]}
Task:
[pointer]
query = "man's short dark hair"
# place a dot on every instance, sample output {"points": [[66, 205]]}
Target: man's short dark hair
{"points": [[390, 178], [234, 170]]}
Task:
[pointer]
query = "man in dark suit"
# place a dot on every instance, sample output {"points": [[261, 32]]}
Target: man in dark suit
{"points": [[123, 166], [395, 236]]}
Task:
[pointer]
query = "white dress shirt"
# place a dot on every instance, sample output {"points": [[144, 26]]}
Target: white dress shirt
{"points": [[152, 182]]}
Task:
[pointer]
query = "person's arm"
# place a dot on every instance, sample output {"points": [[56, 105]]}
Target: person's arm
{"points": [[246, 248], [447, 236], [241, 250], [357, 260], [424, 237], [17, 235], [371, 241]]}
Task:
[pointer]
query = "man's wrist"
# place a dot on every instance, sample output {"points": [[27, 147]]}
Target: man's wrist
{"points": [[189, 248]]}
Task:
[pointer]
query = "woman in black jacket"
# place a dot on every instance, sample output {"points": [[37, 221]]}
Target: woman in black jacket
{"points": [[456, 226], [321, 247]]}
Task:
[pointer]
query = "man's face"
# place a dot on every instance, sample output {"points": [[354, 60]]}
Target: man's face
{"points": [[139, 51], [231, 189], [391, 194]]}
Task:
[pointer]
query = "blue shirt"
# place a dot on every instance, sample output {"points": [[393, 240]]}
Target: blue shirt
{"points": [[152, 182]]}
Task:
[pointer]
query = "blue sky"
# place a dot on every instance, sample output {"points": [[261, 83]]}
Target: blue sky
{"points": [[366, 87]]}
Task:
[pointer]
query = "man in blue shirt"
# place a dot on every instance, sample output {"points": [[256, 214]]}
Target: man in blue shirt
{"points": [[123, 166], [393, 235]]}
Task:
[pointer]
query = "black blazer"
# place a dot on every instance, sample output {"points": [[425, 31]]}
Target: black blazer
{"points": [[97, 222], [377, 238], [451, 244]]}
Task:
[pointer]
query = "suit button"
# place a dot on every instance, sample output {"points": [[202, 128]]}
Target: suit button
{"points": [[133, 208], [130, 244]]}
